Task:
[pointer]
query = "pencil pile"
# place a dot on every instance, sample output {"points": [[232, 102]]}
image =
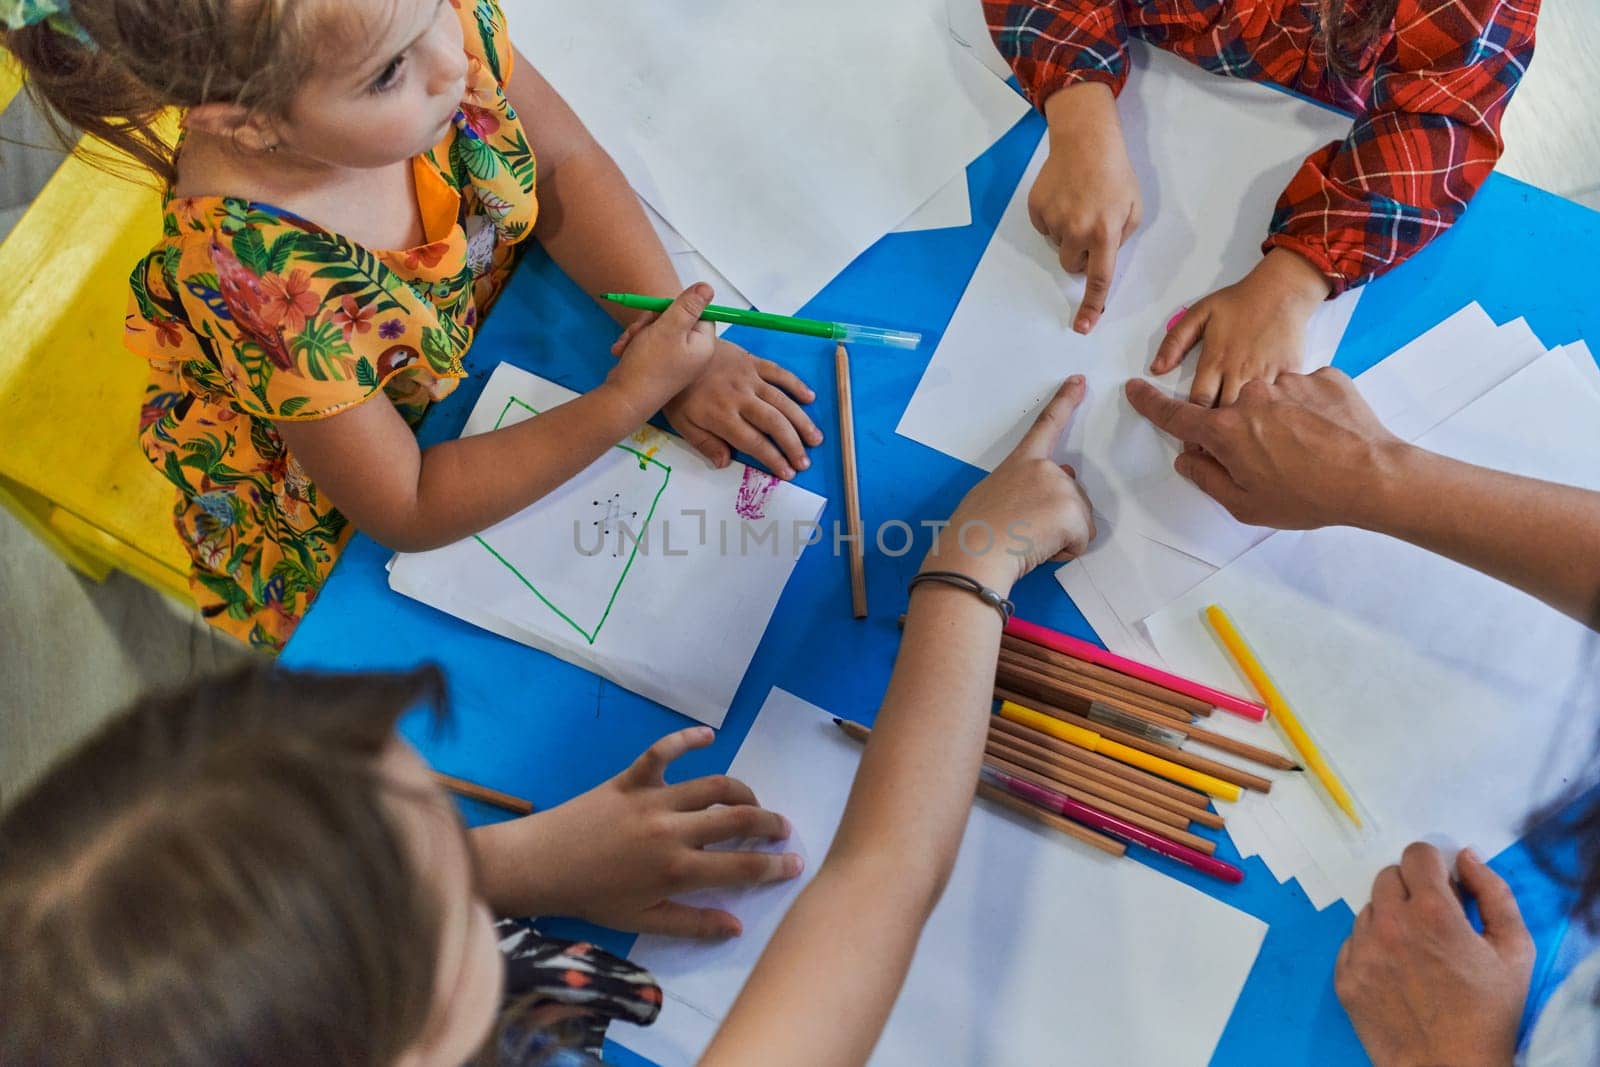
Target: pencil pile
{"points": [[1111, 756]]}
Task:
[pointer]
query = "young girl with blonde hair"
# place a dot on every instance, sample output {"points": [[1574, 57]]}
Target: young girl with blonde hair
{"points": [[346, 200]]}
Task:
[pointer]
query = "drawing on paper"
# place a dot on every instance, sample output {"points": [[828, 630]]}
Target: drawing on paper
{"points": [[590, 533]]}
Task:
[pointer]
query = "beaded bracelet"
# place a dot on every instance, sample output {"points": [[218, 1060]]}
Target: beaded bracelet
{"points": [[1005, 607]]}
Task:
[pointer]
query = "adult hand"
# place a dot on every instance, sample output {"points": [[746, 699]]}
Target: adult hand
{"points": [[1254, 330], [1422, 987], [616, 854], [1086, 198], [1029, 510], [1302, 452], [740, 403]]}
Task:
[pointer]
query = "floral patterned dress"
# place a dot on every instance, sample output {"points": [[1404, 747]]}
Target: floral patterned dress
{"points": [[250, 315]]}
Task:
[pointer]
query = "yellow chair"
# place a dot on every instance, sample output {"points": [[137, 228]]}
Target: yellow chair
{"points": [[70, 464]]}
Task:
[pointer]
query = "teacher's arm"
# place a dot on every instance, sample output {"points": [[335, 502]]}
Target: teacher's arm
{"points": [[825, 984], [1307, 452]]}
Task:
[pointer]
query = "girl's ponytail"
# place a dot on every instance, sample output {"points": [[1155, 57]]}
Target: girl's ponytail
{"points": [[113, 68], [82, 88]]}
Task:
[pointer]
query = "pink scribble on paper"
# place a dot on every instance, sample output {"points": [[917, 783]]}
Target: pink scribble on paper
{"points": [[754, 492]]}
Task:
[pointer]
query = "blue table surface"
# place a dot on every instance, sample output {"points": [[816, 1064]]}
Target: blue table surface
{"points": [[531, 724]]}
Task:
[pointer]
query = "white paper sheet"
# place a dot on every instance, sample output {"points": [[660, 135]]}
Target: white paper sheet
{"points": [[968, 25], [1411, 391], [1439, 694], [1206, 209], [781, 140], [950, 206], [648, 568], [1002, 975]]}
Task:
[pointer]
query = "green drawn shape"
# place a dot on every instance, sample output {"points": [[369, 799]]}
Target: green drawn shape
{"points": [[645, 461]]}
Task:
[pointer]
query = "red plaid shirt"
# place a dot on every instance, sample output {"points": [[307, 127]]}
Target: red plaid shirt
{"points": [[1427, 102]]}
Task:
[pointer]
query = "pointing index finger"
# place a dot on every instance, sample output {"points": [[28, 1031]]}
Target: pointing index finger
{"points": [[1102, 266], [1187, 422], [1052, 423]]}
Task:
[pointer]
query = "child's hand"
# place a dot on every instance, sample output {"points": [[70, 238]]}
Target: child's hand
{"points": [[740, 403], [1029, 510], [1086, 198], [617, 853], [660, 354], [1253, 329]]}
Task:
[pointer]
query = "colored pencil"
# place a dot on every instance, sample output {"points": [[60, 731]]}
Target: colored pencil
{"points": [[857, 732], [1094, 742], [833, 331], [1031, 744], [1185, 759], [852, 486], [1155, 826], [1178, 702], [1071, 646], [483, 794], [1282, 714], [1017, 672], [1087, 814], [1163, 702], [1088, 689], [1092, 792], [1183, 796]]}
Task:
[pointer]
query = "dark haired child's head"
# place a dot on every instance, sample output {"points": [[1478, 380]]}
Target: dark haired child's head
{"points": [[252, 870], [346, 83]]}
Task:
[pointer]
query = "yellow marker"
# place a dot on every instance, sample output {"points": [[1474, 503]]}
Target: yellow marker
{"points": [[1088, 739], [1278, 708]]}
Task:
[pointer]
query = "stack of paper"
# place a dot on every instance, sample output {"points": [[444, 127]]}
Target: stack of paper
{"points": [[1443, 697], [1039, 949], [780, 140], [649, 567]]}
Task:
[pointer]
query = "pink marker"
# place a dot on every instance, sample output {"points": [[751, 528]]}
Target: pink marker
{"points": [[1083, 650], [1050, 800], [1177, 317]]}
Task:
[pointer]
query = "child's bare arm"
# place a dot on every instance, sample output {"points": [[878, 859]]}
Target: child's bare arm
{"points": [[592, 225], [367, 461], [830, 975]]}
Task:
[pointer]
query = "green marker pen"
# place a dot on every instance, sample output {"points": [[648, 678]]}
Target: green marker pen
{"points": [[843, 332]]}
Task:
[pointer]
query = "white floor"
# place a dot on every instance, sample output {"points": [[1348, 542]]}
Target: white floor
{"points": [[72, 651]]}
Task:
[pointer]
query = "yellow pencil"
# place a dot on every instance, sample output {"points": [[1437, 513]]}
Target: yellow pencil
{"points": [[1279, 709], [1093, 742]]}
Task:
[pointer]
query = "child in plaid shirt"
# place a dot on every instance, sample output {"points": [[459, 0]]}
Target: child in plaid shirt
{"points": [[1427, 81]]}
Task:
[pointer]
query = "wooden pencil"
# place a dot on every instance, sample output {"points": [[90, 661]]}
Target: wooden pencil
{"points": [[1019, 673], [1105, 674], [852, 486], [1033, 746], [1182, 837], [1108, 845], [1178, 794], [483, 794], [1222, 771], [1039, 675], [1078, 787], [1113, 685], [1105, 844]]}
